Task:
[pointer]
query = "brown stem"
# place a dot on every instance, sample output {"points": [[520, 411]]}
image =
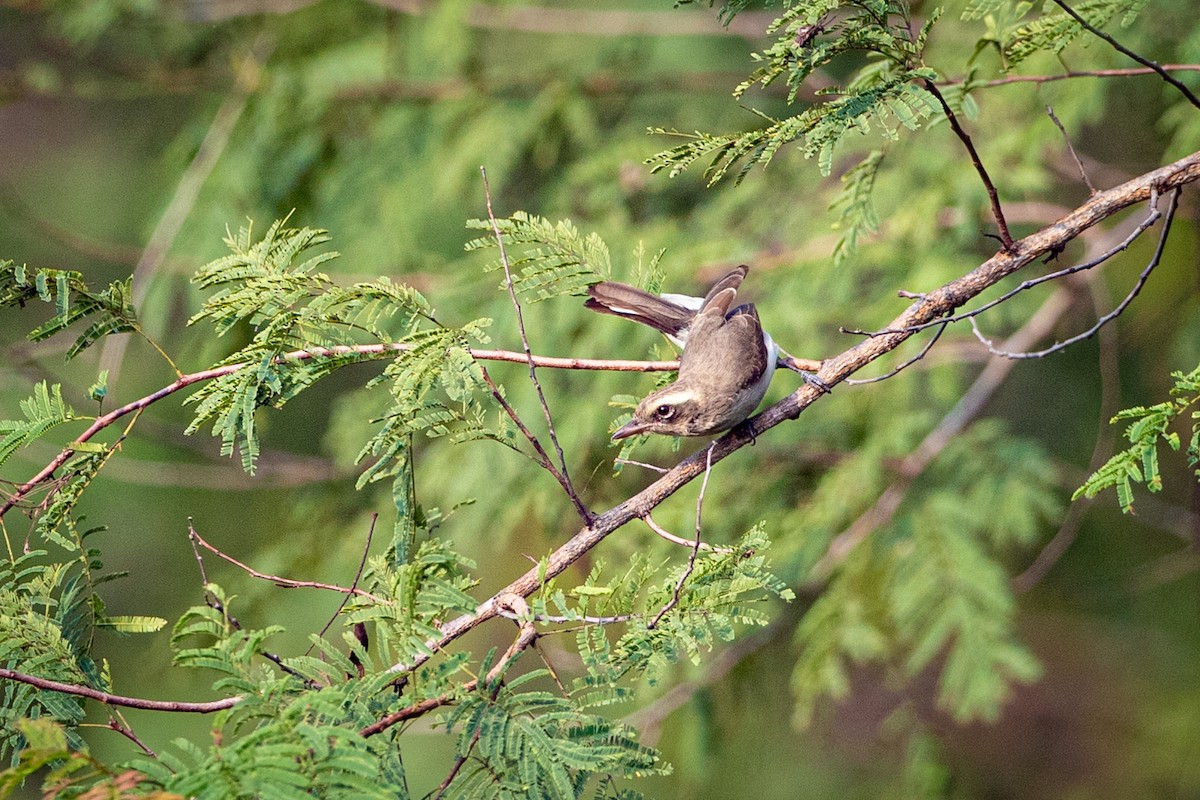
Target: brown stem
{"points": [[383, 350], [565, 479], [118, 700], [1005, 237]]}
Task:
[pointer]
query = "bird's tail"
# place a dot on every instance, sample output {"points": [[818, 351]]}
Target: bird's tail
{"points": [[629, 302]]}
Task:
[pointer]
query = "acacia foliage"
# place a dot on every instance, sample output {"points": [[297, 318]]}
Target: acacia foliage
{"points": [[928, 592]]}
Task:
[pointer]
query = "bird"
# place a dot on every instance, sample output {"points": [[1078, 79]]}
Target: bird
{"points": [[727, 363]]}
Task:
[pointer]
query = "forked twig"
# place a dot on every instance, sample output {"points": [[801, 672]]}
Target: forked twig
{"points": [[1107, 318], [1122, 246], [283, 583]]}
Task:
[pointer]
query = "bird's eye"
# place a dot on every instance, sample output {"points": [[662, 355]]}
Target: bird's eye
{"points": [[664, 411]]}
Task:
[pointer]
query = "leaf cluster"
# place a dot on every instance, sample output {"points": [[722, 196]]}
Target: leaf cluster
{"points": [[1149, 430], [73, 300]]}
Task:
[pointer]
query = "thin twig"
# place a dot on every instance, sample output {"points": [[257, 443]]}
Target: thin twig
{"points": [[1095, 73], [1162, 73], [1110, 401], [967, 408], [691, 565], [997, 212], [1071, 149], [670, 537], [119, 700], [365, 351], [543, 458], [583, 510], [117, 723], [651, 467], [283, 583], [924, 350], [1123, 245], [362, 564], [1107, 318]]}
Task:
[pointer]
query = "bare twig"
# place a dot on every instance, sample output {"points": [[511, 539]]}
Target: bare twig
{"points": [[117, 723], [1110, 401], [119, 700], [1071, 149], [1006, 239], [1152, 217], [924, 350], [967, 408], [1095, 73], [353, 589], [365, 351], [1162, 73], [283, 583], [670, 537], [564, 476], [691, 564], [651, 467], [1107, 318]]}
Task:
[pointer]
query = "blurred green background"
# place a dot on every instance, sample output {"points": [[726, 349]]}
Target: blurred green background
{"points": [[128, 122]]}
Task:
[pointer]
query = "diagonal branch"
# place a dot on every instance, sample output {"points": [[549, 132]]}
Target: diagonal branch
{"points": [[933, 305], [1120, 48]]}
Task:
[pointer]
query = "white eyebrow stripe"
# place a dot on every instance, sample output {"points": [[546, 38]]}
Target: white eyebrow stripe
{"points": [[676, 398]]}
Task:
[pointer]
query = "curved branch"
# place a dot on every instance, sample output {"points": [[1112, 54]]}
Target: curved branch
{"points": [[116, 699]]}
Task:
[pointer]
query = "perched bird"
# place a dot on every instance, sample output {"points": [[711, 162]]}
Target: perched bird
{"points": [[726, 365]]}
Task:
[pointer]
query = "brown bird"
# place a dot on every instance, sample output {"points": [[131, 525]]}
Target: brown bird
{"points": [[726, 365]]}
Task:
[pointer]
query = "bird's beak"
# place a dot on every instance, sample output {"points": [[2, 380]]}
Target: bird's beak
{"points": [[631, 428]]}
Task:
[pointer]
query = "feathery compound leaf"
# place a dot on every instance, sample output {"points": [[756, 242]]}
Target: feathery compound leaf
{"points": [[547, 259], [856, 213], [43, 411], [73, 301], [291, 308], [822, 128], [1053, 32], [1139, 462]]}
